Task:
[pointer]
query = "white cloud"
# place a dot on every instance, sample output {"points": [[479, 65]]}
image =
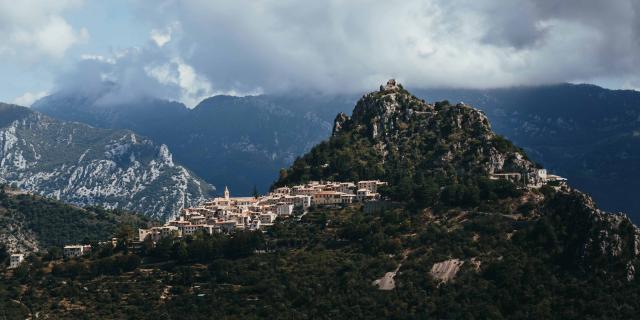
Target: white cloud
{"points": [[193, 87], [97, 57], [164, 35], [200, 48], [136, 73], [631, 84], [161, 37], [30, 29], [29, 98], [353, 45]]}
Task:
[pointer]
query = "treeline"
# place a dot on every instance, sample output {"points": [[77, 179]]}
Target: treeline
{"points": [[529, 269], [57, 224], [203, 247], [113, 265], [424, 192], [198, 248]]}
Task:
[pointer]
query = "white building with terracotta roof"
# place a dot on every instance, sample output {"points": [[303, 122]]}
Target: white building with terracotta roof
{"points": [[227, 214]]}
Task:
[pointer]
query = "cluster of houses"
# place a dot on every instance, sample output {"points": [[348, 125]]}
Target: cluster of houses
{"points": [[69, 251], [536, 179], [227, 214]]}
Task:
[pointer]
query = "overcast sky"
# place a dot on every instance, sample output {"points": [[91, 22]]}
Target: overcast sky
{"points": [[187, 50]]}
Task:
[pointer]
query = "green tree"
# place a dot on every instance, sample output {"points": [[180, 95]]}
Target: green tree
{"points": [[255, 192], [4, 254]]}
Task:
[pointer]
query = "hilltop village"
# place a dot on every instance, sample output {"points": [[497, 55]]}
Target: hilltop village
{"points": [[227, 214]]}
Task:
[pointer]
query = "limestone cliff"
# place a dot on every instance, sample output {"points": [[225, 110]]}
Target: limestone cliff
{"points": [[83, 165]]}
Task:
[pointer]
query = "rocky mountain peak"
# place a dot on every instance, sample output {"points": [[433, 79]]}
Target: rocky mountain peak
{"points": [[391, 127], [391, 85], [389, 100], [393, 117], [339, 122]]}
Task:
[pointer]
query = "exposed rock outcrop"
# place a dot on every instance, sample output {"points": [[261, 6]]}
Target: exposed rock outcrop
{"points": [[387, 282], [446, 270], [338, 124], [88, 166]]}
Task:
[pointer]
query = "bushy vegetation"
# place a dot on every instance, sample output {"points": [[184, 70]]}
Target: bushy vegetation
{"points": [[429, 162], [323, 265], [526, 253], [56, 224]]}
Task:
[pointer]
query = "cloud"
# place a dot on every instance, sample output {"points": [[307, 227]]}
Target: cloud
{"points": [[198, 48], [193, 87], [135, 73], [353, 45], [32, 29], [28, 98], [162, 36]]}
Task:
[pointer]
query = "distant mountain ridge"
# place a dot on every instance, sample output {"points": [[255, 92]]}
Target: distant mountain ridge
{"points": [[83, 165], [241, 142], [586, 133]]}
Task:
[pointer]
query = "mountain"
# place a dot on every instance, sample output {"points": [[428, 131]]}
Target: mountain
{"points": [[83, 165], [445, 158], [241, 142], [415, 146], [586, 133], [451, 241], [583, 132], [30, 223]]}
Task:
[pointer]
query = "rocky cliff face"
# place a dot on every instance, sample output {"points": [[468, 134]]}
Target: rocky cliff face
{"points": [[89, 166], [241, 142], [392, 116]]}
